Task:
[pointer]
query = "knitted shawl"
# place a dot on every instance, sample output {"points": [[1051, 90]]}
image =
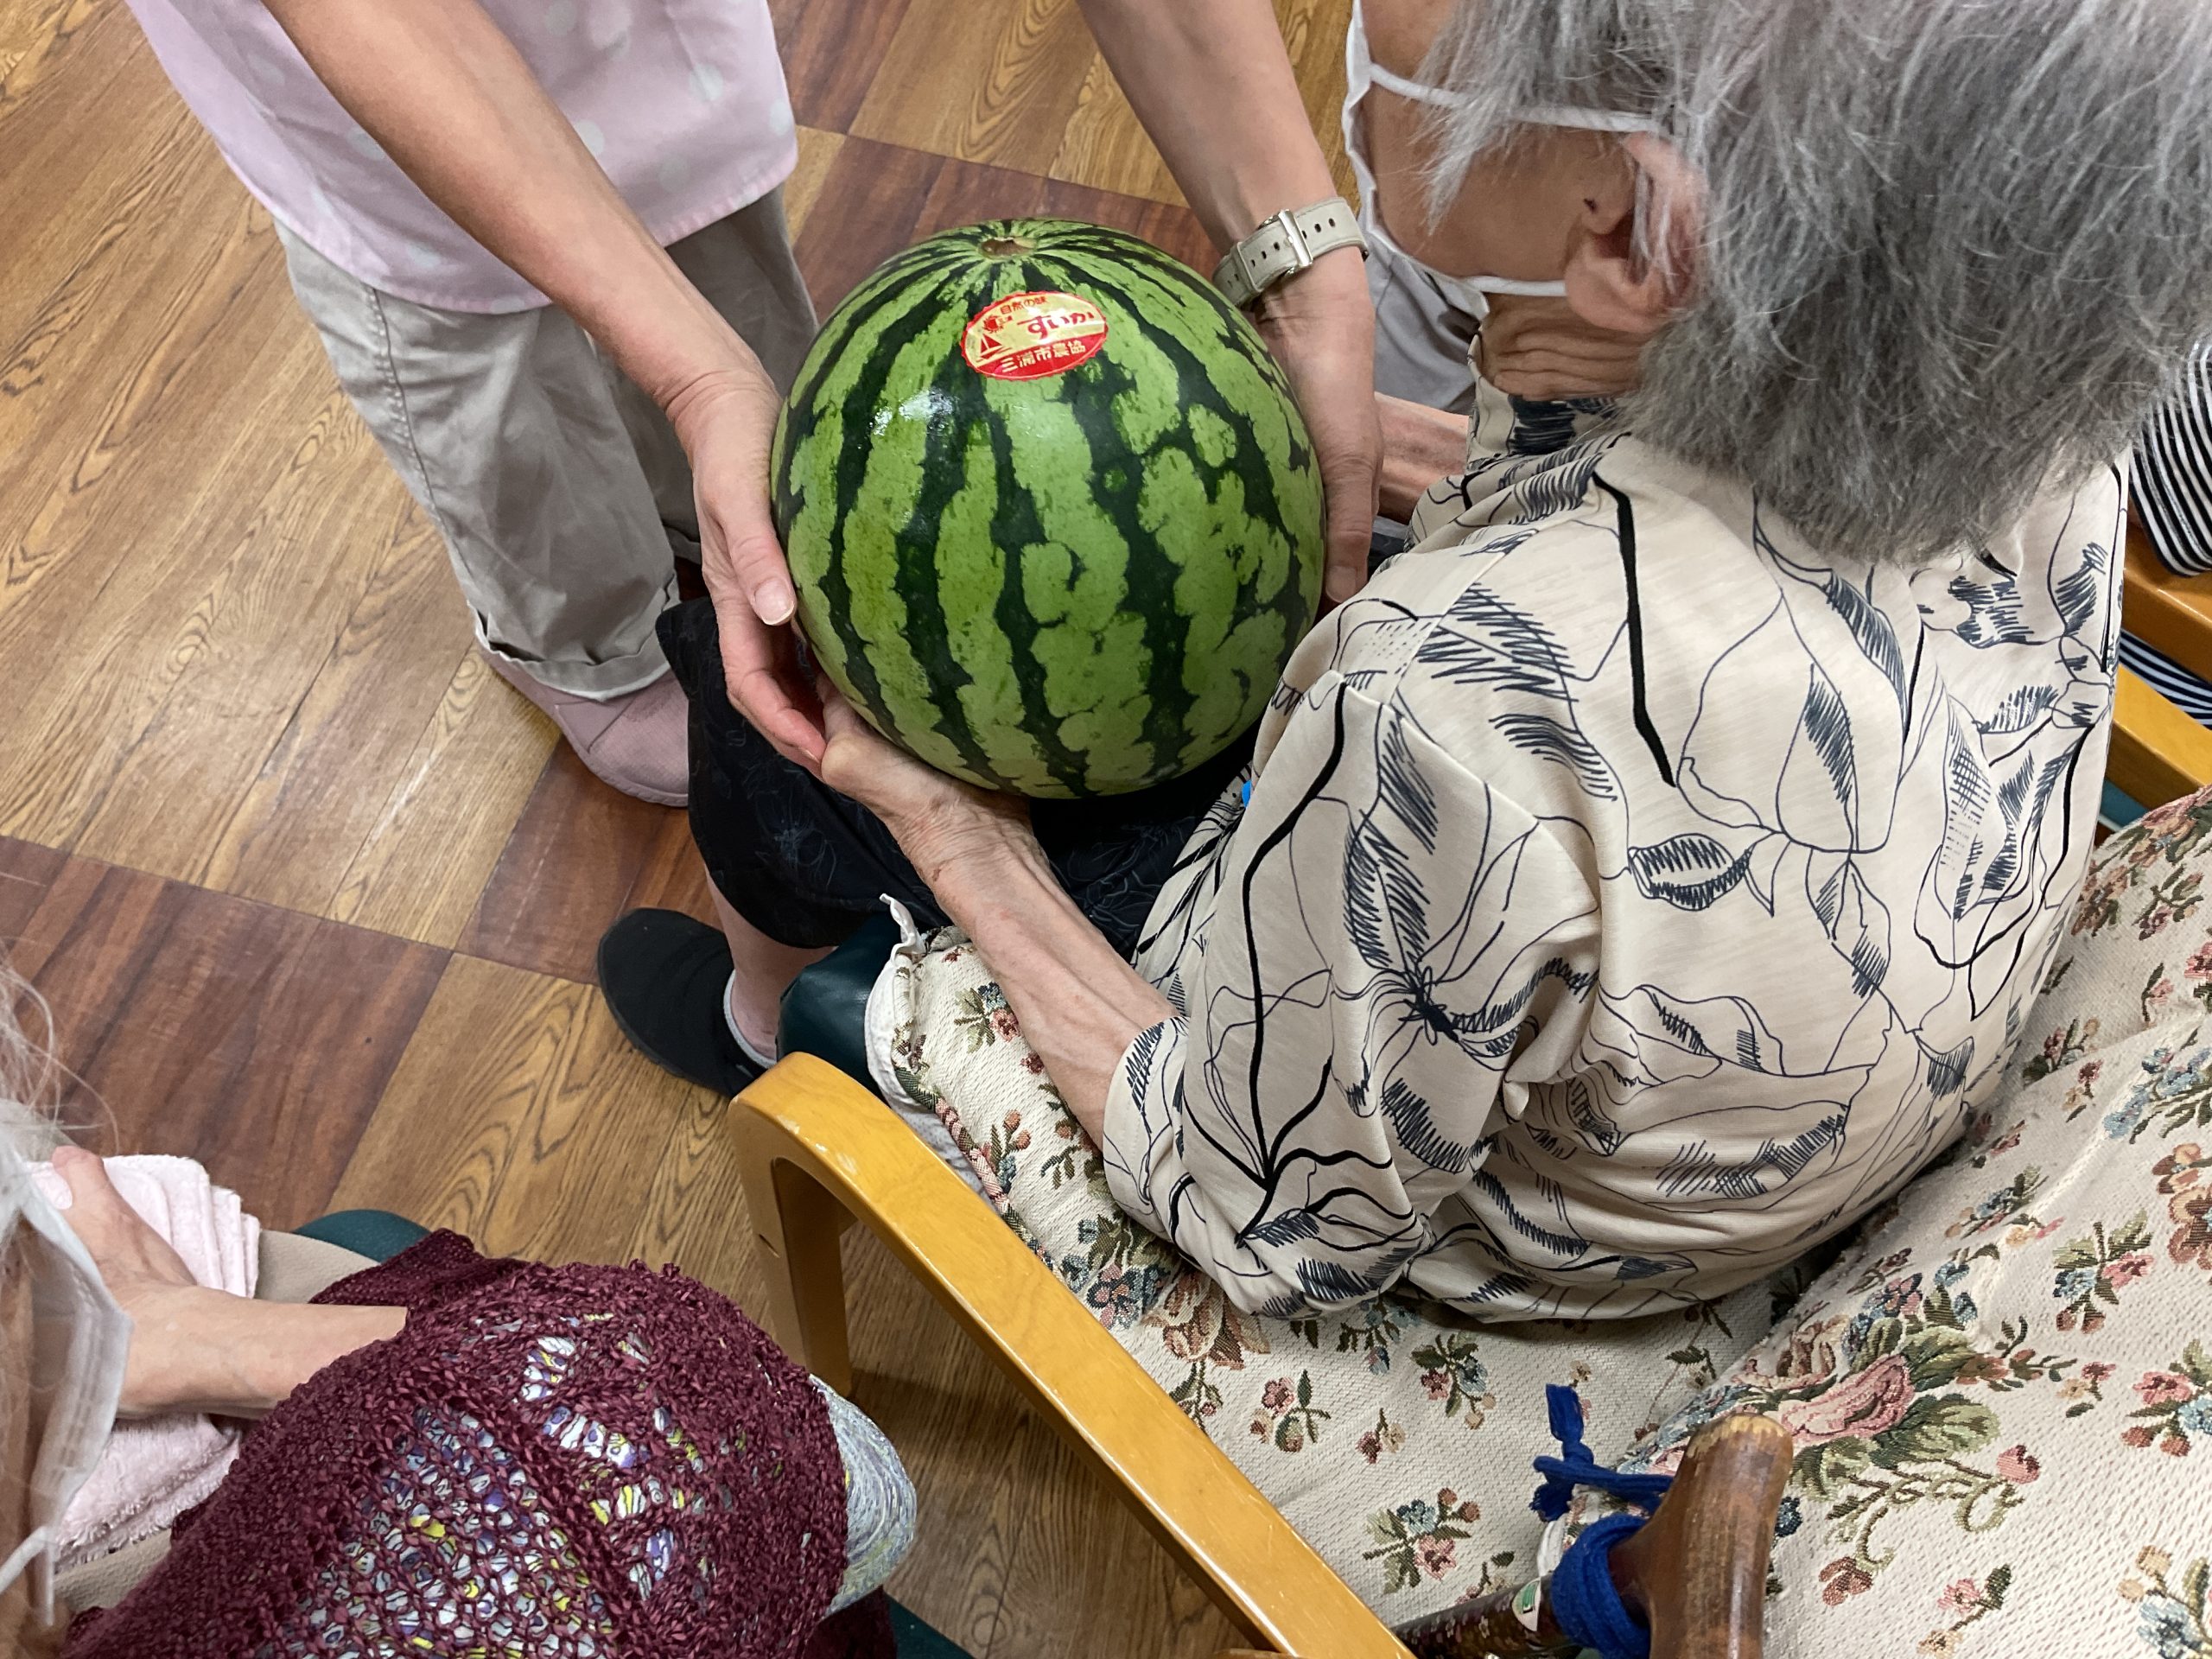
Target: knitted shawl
{"points": [[576, 1463]]}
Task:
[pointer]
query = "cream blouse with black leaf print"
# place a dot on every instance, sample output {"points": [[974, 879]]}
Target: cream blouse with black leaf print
{"points": [[1628, 898]]}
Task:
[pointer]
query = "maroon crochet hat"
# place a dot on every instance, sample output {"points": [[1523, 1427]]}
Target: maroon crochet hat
{"points": [[576, 1463]]}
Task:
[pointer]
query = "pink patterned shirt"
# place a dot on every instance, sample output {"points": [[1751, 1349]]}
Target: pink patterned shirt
{"points": [[682, 102]]}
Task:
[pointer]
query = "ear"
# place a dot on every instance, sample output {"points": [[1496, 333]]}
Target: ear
{"points": [[1610, 283]]}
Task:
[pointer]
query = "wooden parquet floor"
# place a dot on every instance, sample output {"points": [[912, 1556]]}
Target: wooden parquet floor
{"points": [[313, 896]]}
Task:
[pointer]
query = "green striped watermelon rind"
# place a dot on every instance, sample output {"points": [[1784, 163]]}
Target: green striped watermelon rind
{"points": [[1095, 610]]}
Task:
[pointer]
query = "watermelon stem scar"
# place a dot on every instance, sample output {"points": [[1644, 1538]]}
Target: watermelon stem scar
{"points": [[1006, 247]]}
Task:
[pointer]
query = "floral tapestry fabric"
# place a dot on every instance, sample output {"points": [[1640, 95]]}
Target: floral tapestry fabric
{"points": [[1628, 897], [2000, 1387], [2002, 1394], [1396, 1436]]}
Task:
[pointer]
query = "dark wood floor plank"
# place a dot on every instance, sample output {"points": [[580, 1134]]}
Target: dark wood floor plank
{"points": [[964, 191], [257, 1040], [876, 198], [581, 855], [27, 870], [863, 212], [831, 51]]}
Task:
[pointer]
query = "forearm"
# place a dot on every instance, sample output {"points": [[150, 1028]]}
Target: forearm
{"points": [[234, 1356], [453, 103], [1079, 1003], [1213, 86], [1420, 445]]}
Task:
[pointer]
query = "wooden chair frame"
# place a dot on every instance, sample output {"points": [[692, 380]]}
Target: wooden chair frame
{"points": [[816, 1150], [2157, 752]]}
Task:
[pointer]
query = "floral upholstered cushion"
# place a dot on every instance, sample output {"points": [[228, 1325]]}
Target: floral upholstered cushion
{"points": [[2001, 1388], [2002, 1394], [1398, 1439]]}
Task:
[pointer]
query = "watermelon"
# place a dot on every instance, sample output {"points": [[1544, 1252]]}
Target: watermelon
{"points": [[1054, 521]]}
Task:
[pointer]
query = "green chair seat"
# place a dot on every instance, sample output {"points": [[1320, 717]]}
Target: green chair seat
{"points": [[824, 1012]]}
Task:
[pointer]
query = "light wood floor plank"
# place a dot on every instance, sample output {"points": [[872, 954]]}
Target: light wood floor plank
{"points": [[520, 1116], [817, 151], [35, 36], [297, 830], [126, 598], [268, 610], [995, 83], [439, 836], [62, 58]]}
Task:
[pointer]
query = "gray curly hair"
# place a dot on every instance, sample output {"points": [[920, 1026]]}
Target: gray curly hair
{"points": [[1954, 250], [28, 1072]]}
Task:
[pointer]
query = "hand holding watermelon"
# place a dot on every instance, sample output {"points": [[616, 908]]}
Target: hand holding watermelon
{"points": [[726, 421], [936, 820], [1320, 326]]}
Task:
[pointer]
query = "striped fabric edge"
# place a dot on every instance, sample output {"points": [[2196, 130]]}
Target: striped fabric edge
{"points": [[2173, 473], [2187, 691]]}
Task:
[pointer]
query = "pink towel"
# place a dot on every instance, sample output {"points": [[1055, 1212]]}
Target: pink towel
{"points": [[155, 1468]]}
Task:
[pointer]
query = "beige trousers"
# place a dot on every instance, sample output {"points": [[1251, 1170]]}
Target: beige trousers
{"points": [[558, 486]]}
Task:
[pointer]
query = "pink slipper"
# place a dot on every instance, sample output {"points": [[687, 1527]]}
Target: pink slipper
{"points": [[640, 744]]}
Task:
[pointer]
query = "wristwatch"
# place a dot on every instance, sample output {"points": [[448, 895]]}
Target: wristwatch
{"points": [[1285, 245]]}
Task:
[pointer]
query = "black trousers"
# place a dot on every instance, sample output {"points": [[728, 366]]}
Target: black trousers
{"points": [[807, 866]]}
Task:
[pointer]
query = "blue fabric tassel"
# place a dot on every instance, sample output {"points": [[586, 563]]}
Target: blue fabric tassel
{"points": [[1589, 1610]]}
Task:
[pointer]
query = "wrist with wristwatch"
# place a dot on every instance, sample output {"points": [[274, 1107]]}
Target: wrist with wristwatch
{"points": [[1285, 244]]}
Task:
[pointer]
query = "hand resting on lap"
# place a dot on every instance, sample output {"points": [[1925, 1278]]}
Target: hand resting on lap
{"points": [[194, 1348]]}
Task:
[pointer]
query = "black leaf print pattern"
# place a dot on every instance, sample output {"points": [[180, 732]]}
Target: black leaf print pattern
{"points": [[1826, 722], [1541, 734], [1690, 872], [1404, 791], [1418, 1133], [2019, 711], [2078, 589], [1495, 644], [1699, 1173], [1993, 608], [1483, 998], [1870, 629]]}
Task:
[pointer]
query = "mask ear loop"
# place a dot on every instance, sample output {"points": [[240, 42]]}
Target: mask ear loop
{"points": [[35, 1552]]}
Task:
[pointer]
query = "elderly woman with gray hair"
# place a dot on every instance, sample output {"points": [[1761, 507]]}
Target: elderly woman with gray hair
{"points": [[1643, 875], [452, 1453]]}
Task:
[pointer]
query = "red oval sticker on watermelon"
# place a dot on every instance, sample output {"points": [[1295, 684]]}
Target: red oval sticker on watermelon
{"points": [[1028, 336]]}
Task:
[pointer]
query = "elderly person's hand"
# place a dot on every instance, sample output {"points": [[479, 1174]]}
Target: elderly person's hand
{"points": [[938, 821], [1420, 445], [1079, 1002], [195, 1348], [1539, 348]]}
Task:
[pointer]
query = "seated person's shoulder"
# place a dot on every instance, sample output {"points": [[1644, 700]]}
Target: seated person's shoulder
{"points": [[1561, 562]]}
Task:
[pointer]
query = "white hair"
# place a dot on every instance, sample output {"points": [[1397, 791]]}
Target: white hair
{"points": [[1952, 251], [28, 1072]]}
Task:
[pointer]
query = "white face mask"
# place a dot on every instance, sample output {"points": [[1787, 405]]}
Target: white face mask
{"points": [[80, 1340], [1361, 74]]}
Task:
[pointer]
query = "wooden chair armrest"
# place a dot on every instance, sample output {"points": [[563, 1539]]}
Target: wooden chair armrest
{"points": [[2158, 754], [806, 1125], [2169, 613]]}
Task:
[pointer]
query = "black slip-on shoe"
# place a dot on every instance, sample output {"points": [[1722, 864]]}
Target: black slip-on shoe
{"points": [[664, 975]]}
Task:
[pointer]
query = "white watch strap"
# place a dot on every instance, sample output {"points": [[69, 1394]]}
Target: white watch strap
{"points": [[1285, 244]]}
